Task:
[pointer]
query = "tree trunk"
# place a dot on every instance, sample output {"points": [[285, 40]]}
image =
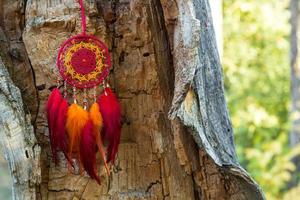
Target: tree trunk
{"points": [[177, 140]]}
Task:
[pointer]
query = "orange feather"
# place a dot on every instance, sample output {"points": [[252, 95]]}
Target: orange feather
{"points": [[97, 120], [77, 118]]}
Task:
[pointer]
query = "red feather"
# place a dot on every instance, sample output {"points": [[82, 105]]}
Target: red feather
{"points": [[59, 135], [88, 150], [111, 114], [53, 104], [55, 94]]}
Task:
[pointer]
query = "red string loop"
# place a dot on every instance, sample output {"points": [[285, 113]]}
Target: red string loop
{"points": [[83, 18]]}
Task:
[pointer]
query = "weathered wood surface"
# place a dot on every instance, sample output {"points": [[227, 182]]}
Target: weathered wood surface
{"points": [[18, 141], [165, 64], [204, 108]]}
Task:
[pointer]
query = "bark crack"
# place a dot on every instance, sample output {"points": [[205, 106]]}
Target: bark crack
{"points": [[152, 184]]}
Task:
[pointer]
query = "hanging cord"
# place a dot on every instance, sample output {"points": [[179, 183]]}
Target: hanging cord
{"points": [[85, 101], [74, 95], [83, 18], [95, 94], [65, 90]]}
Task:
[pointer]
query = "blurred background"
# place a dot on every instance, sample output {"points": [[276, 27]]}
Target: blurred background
{"points": [[257, 41], [5, 180], [258, 45]]}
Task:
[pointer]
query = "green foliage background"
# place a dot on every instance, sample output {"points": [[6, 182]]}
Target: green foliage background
{"points": [[5, 180], [257, 84]]}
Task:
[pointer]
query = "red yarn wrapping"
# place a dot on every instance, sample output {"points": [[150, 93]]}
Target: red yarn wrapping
{"points": [[83, 19], [101, 75], [111, 114], [52, 112], [88, 151], [84, 61]]}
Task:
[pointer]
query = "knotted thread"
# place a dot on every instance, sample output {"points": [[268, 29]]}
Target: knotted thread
{"points": [[83, 18]]}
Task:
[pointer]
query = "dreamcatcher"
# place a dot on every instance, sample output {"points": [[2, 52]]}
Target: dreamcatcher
{"points": [[77, 130]]}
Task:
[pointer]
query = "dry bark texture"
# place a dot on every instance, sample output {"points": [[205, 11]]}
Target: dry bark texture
{"points": [[177, 139], [17, 139]]}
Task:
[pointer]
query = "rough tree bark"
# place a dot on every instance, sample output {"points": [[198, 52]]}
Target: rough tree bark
{"points": [[177, 140]]}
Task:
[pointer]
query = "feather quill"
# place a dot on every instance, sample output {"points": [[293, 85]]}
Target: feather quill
{"points": [[88, 150], [97, 120], [111, 114], [52, 108], [59, 135], [77, 118]]}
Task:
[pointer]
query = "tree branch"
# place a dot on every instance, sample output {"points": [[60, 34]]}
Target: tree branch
{"points": [[17, 139], [199, 95]]}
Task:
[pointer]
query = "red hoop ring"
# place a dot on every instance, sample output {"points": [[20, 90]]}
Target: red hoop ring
{"points": [[104, 72]]}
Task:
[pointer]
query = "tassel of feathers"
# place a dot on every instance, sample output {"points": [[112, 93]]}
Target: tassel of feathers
{"points": [[88, 150], [52, 108], [97, 120], [59, 134], [79, 133], [111, 114], [77, 118]]}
